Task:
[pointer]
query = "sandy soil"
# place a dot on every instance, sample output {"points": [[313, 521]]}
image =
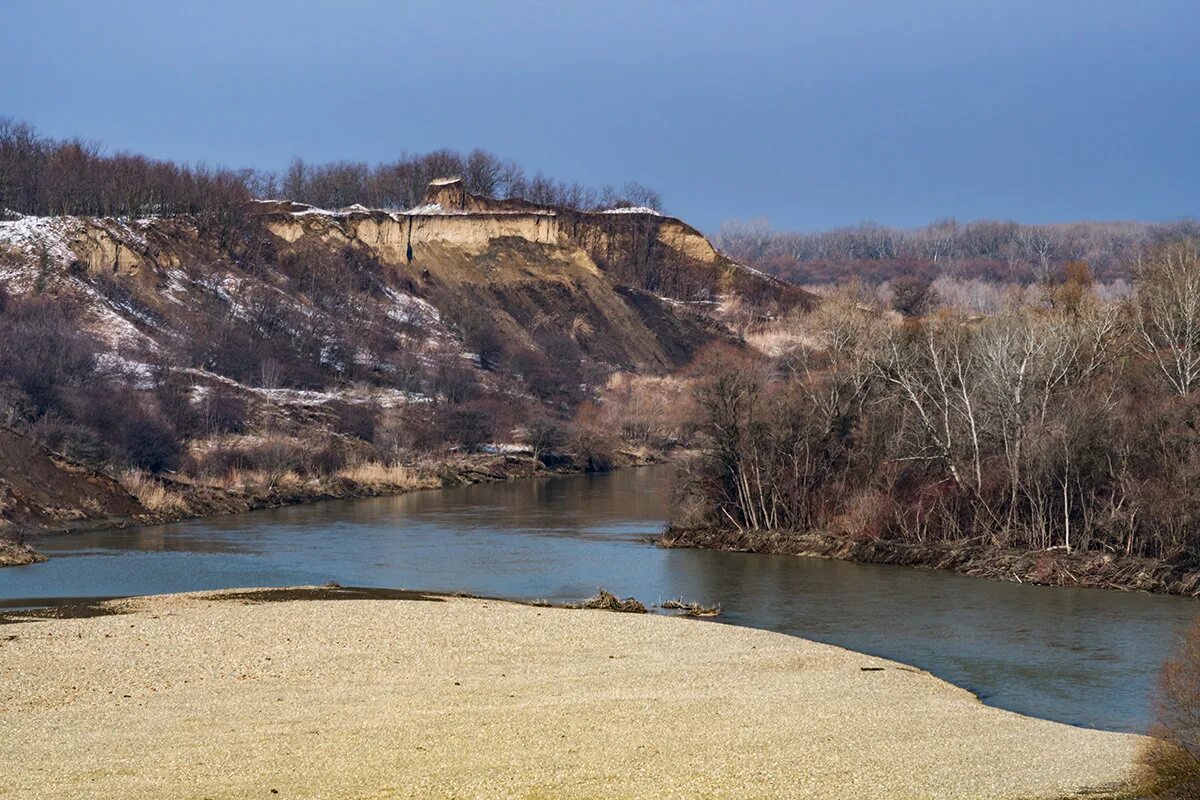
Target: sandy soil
{"points": [[192, 697]]}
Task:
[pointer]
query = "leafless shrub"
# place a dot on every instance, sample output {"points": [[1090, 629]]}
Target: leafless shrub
{"points": [[913, 297], [543, 435], [594, 445], [1168, 318], [223, 411], [650, 410], [1038, 427]]}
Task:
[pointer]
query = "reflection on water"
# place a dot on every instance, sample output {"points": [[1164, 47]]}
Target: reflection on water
{"points": [[1081, 656]]}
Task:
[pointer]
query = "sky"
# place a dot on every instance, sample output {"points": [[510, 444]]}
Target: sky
{"points": [[812, 115]]}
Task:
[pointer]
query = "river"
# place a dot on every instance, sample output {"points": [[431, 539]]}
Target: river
{"points": [[1083, 656]]}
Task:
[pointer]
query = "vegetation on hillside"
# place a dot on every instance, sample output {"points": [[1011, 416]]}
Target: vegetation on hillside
{"points": [[207, 406], [203, 347]]}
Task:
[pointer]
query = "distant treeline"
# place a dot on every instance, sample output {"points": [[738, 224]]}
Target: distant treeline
{"points": [[1002, 252], [45, 176], [401, 184]]}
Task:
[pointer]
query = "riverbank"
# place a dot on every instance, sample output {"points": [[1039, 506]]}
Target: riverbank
{"points": [[166, 499], [423, 696], [1047, 568]]}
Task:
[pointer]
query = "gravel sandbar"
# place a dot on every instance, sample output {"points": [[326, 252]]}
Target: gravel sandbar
{"points": [[195, 696]]}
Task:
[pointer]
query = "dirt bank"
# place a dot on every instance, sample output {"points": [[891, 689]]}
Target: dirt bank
{"points": [[420, 696], [40, 490], [1048, 568]]}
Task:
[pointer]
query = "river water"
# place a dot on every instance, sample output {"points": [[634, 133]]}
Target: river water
{"points": [[1083, 656]]}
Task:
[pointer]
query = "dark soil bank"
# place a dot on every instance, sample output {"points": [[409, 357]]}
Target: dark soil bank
{"points": [[1049, 568]]}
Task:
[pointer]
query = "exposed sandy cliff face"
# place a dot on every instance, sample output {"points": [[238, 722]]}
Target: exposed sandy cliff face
{"points": [[519, 265]]}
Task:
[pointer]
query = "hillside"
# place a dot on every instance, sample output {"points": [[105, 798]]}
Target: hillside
{"points": [[205, 343], [149, 284]]}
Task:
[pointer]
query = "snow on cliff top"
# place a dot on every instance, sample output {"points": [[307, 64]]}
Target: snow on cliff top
{"points": [[632, 210], [428, 208]]}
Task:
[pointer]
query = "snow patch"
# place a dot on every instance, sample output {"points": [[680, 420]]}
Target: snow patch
{"points": [[412, 310], [36, 235], [313, 210], [137, 372], [632, 210], [428, 208], [505, 448], [385, 398], [759, 273]]}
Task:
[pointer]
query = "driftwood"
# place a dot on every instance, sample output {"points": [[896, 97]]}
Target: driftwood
{"points": [[691, 609], [608, 601]]}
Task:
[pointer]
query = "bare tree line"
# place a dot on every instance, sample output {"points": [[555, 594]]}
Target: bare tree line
{"points": [[48, 177], [1005, 252], [45, 176], [1069, 423], [401, 184]]}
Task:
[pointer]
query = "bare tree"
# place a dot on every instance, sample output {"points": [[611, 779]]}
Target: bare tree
{"points": [[1168, 313]]}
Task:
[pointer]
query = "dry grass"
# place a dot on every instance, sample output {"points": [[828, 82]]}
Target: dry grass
{"points": [[152, 493], [253, 481], [608, 601], [392, 476], [1167, 771]]}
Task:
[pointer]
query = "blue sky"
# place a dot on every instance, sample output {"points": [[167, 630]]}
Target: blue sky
{"points": [[813, 115]]}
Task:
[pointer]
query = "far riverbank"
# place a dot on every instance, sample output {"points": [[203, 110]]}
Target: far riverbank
{"points": [[170, 499], [1040, 567]]}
